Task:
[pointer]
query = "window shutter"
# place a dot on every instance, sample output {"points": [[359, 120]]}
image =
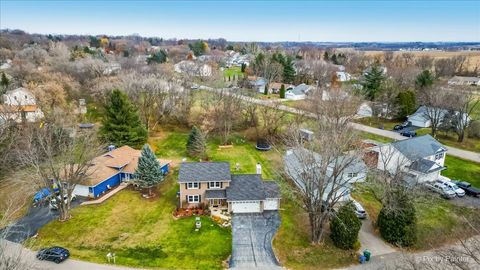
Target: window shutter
{"points": [[186, 198], [208, 184], [221, 184], [199, 185], [186, 185], [199, 198]]}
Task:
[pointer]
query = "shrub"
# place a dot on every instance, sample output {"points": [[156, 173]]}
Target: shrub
{"points": [[474, 129], [398, 224], [344, 228]]}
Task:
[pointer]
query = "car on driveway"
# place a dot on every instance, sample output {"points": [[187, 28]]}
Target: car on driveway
{"points": [[54, 254], [441, 189], [402, 126], [359, 211], [54, 204], [448, 183], [409, 133], [469, 189]]}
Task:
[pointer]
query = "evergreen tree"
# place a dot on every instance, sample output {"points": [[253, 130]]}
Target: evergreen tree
{"points": [[424, 79], [196, 145], [288, 70], [265, 91], [121, 124], [345, 227], [334, 59], [244, 66], [282, 91], [158, 57], [326, 57], [4, 82], [372, 82], [406, 102], [148, 172]]}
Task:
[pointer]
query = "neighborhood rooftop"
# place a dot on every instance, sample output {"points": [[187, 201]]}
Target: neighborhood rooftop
{"points": [[248, 187], [204, 172], [419, 147]]}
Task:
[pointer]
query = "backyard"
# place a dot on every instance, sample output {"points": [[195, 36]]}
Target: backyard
{"points": [[233, 72]]}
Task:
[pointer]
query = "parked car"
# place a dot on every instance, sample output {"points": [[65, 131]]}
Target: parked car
{"points": [[469, 189], [359, 211], [402, 126], [54, 204], [441, 189], [448, 183], [54, 254], [409, 133]]}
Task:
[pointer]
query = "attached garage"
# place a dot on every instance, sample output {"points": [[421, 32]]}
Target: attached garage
{"points": [[246, 207], [271, 204], [81, 190]]}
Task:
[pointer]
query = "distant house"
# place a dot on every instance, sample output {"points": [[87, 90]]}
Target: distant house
{"points": [[112, 68], [110, 169], [192, 68], [365, 110], [299, 92], [274, 87], [257, 83], [20, 105], [343, 76], [421, 158], [461, 80], [211, 184], [6, 65], [355, 171], [421, 119]]}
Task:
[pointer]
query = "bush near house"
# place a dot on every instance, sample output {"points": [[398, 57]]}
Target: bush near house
{"points": [[345, 227]]}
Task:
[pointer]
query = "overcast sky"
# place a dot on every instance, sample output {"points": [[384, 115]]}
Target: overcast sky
{"points": [[252, 20]]}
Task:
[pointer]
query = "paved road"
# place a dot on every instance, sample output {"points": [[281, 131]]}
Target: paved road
{"points": [[252, 236], [35, 219], [469, 155], [29, 261]]}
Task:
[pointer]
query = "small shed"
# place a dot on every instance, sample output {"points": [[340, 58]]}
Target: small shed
{"points": [[306, 134]]}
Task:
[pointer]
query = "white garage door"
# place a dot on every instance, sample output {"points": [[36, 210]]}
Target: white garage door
{"points": [[246, 207], [80, 190], [270, 204]]}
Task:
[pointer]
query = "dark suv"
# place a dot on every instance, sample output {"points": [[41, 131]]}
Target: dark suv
{"points": [[54, 254]]}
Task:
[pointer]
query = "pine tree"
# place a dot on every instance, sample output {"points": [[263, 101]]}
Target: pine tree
{"points": [[244, 67], [148, 172], [196, 145], [373, 80], [265, 91], [121, 124], [345, 227], [326, 57], [4, 82], [288, 70], [282, 91], [424, 79]]}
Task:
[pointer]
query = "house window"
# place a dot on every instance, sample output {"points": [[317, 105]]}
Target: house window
{"points": [[192, 185], [215, 185], [193, 198], [439, 156], [351, 175]]}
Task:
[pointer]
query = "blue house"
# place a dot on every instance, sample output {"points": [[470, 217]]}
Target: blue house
{"points": [[110, 169]]}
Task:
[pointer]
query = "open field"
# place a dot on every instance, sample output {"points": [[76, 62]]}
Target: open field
{"points": [[141, 232], [473, 57], [233, 71]]}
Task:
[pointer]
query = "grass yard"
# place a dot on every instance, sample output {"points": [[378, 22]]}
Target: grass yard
{"points": [[378, 122], [142, 233], [293, 247], [233, 71], [461, 169], [437, 219]]}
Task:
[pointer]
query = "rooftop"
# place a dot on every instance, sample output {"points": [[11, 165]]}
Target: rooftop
{"points": [[204, 172], [419, 147]]}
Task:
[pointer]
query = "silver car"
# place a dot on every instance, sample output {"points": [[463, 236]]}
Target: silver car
{"points": [[359, 211]]}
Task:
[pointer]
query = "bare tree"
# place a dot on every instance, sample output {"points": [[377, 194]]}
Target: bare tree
{"points": [[272, 119], [434, 100], [462, 102], [424, 62], [60, 157]]}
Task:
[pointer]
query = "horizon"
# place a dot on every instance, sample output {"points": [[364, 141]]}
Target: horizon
{"points": [[262, 21]]}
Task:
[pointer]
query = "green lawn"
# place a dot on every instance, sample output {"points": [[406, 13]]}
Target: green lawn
{"points": [[461, 169], [378, 122], [378, 138], [437, 219], [293, 247], [233, 71], [142, 233]]}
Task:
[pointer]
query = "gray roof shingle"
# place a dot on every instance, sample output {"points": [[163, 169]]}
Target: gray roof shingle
{"points": [[425, 166], [245, 187], [215, 194], [419, 147], [272, 190], [204, 172]]}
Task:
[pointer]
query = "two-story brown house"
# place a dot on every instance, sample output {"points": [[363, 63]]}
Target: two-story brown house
{"points": [[211, 184]]}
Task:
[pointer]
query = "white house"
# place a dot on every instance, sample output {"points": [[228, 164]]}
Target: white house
{"points": [[420, 158], [421, 117], [19, 105], [461, 80], [299, 92], [300, 159], [364, 110], [343, 76], [193, 69]]}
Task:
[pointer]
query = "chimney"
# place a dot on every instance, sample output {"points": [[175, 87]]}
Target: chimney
{"points": [[259, 169]]}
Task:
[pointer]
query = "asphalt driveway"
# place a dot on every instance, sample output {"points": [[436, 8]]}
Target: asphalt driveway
{"points": [[35, 219], [252, 236]]}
